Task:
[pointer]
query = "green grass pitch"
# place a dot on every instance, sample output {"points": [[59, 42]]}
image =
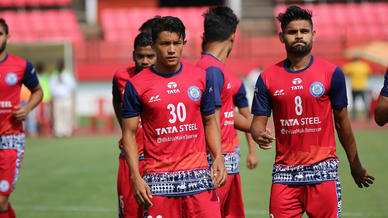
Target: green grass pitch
{"points": [[76, 177]]}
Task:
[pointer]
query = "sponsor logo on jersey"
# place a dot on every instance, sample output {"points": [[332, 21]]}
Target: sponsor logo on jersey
{"points": [[229, 86], [4, 186], [279, 92], [317, 89], [194, 93], [154, 99], [11, 79], [172, 88], [297, 81]]}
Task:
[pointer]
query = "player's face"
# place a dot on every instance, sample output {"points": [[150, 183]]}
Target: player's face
{"points": [[144, 57], [169, 48], [298, 37], [3, 39]]}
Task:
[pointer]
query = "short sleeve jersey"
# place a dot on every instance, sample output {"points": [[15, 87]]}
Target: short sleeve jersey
{"points": [[14, 71], [121, 78], [384, 90], [302, 103], [171, 108], [239, 92], [214, 66]]}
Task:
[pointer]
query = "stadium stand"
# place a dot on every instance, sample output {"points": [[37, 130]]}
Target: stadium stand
{"points": [[33, 3], [43, 25]]}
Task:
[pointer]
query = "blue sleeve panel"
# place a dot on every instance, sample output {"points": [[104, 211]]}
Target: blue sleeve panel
{"points": [[240, 99], [261, 104], [115, 91], [208, 99], [384, 90], [337, 93], [218, 77], [131, 102], [30, 79]]}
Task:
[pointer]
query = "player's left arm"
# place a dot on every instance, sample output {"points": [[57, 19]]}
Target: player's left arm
{"points": [[30, 80], [212, 130], [381, 111], [339, 103], [213, 141], [116, 101]]}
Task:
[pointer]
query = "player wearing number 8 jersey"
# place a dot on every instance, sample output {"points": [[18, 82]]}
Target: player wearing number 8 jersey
{"points": [[303, 92], [176, 103]]}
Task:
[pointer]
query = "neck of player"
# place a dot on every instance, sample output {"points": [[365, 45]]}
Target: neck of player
{"points": [[298, 62], [220, 50], [3, 55], [167, 69]]}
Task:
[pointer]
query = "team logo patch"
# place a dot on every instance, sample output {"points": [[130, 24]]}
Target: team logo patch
{"points": [[4, 186], [317, 89], [194, 93], [11, 79]]}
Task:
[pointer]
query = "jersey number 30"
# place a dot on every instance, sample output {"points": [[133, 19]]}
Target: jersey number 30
{"points": [[177, 112]]}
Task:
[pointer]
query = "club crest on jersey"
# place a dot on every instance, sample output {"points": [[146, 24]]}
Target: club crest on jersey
{"points": [[4, 185], [194, 93], [317, 89], [11, 79]]}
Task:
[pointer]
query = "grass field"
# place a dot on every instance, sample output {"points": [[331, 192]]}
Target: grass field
{"points": [[76, 178]]}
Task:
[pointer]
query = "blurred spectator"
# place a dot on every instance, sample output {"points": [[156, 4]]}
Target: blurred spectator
{"points": [[250, 82], [30, 125], [62, 85], [358, 71], [44, 109]]}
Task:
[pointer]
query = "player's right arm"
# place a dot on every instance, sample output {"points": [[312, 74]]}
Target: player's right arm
{"points": [[140, 188], [130, 112], [381, 110]]}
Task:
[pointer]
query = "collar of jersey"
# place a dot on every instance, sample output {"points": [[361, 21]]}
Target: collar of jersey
{"points": [[297, 71], [6, 57], [167, 75], [213, 57]]}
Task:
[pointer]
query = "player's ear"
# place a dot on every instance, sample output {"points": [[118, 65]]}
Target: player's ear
{"points": [[133, 55], [281, 37], [152, 44], [314, 35], [184, 42], [232, 37]]}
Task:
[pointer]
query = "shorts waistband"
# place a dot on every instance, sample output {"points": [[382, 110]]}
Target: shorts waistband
{"points": [[12, 141]]}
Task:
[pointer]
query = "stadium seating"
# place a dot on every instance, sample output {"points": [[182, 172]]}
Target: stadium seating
{"points": [[33, 3], [123, 24], [353, 20], [43, 25]]}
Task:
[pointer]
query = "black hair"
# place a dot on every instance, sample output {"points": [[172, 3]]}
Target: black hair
{"points": [[143, 39], [4, 25], [147, 26], [170, 24], [220, 22], [294, 13]]}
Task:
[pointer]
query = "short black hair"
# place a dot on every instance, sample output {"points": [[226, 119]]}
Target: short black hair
{"points": [[147, 26], [4, 25], [220, 22], [143, 39], [170, 24], [294, 13]]}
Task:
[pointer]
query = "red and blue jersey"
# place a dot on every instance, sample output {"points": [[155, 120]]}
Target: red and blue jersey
{"points": [[171, 108], [224, 86], [302, 103], [121, 78], [14, 71], [384, 90]]}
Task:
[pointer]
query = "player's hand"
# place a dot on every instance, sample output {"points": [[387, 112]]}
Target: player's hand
{"points": [[20, 113], [142, 192], [264, 139], [252, 161], [218, 172], [362, 177]]}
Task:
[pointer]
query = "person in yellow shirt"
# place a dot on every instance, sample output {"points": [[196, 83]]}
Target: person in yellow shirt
{"points": [[358, 71]]}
